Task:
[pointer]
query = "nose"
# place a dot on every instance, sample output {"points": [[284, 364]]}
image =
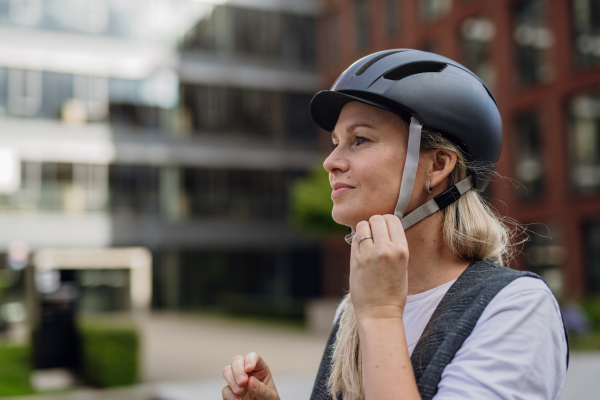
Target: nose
{"points": [[336, 162]]}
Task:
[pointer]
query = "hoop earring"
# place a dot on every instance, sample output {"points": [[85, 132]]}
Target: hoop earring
{"points": [[427, 187]]}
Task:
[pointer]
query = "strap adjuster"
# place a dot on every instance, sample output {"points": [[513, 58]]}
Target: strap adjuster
{"points": [[448, 197]]}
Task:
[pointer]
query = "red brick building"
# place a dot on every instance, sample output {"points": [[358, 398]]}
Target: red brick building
{"points": [[541, 59]]}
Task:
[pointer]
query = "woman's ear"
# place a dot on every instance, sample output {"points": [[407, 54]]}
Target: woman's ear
{"points": [[442, 163]]}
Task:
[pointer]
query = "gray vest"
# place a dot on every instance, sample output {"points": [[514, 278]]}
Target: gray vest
{"points": [[451, 323]]}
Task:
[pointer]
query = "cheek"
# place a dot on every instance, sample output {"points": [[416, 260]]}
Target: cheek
{"points": [[380, 184]]}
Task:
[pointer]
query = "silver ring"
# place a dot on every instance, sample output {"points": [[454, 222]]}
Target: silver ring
{"points": [[365, 237]]}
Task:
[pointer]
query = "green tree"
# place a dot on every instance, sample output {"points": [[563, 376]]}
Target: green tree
{"points": [[311, 203]]}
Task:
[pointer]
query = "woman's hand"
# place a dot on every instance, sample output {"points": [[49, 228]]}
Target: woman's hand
{"points": [[378, 277], [249, 378]]}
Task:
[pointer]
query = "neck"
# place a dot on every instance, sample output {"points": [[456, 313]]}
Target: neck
{"points": [[430, 262]]}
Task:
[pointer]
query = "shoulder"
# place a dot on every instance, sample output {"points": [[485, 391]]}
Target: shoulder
{"points": [[523, 296], [517, 349]]}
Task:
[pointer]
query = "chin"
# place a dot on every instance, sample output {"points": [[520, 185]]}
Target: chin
{"points": [[347, 217]]}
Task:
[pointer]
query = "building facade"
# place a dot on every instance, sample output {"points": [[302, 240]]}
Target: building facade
{"points": [[541, 59], [175, 125]]}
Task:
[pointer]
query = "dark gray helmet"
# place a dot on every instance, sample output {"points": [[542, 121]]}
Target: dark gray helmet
{"points": [[431, 91], [444, 95]]}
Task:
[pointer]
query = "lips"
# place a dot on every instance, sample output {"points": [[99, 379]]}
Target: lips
{"points": [[340, 188]]}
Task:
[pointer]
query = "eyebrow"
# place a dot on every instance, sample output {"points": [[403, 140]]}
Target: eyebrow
{"points": [[352, 127]]}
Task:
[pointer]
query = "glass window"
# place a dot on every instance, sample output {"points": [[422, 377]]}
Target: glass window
{"points": [[533, 41], [300, 128], [476, 38], [544, 254], [392, 17], [591, 237], [273, 35], [434, 9], [24, 92], [93, 93], [362, 24], [134, 189], [529, 165], [25, 12], [57, 89], [3, 91], [234, 111], [584, 140], [237, 193], [586, 24]]}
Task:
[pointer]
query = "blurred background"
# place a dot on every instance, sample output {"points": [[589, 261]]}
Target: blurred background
{"points": [[162, 201]]}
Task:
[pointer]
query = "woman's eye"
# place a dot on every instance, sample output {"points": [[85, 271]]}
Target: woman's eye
{"points": [[335, 145], [361, 140]]}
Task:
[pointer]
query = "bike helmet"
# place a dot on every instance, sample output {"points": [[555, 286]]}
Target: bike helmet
{"points": [[427, 90]]}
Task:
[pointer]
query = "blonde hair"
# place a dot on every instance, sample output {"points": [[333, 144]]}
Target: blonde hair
{"points": [[471, 231]]}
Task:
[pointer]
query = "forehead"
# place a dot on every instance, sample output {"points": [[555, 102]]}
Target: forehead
{"points": [[355, 114]]}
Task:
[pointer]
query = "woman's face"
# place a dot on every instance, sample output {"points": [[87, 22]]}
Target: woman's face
{"points": [[366, 165]]}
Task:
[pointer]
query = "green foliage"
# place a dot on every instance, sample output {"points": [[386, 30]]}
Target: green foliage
{"points": [[591, 308], [311, 203], [110, 355], [15, 370]]}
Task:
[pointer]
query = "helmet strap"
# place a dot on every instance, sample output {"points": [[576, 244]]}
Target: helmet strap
{"points": [[410, 166]]}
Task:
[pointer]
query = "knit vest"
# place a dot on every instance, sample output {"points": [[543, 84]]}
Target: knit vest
{"points": [[451, 323]]}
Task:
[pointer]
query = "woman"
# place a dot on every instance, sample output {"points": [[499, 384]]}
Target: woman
{"points": [[416, 136]]}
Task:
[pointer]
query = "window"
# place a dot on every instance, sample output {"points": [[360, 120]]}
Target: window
{"points": [[533, 41], [529, 166], [544, 254], [25, 12], [584, 140], [56, 90], [476, 38], [91, 15], [433, 9], [286, 38], [234, 111], [24, 92], [362, 24], [586, 24], [591, 237], [93, 93], [239, 194], [134, 190], [392, 17]]}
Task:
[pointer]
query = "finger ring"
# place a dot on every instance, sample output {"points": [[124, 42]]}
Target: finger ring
{"points": [[365, 237]]}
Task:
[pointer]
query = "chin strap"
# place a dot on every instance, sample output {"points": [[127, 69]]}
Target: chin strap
{"points": [[439, 202], [411, 163]]}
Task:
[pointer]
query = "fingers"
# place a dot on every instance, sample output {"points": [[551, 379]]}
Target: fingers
{"points": [[228, 375], [379, 229], [260, 391], [252, 359], [395, 229], [256, 365], [228, 394], [363, 229], [239, 373]]}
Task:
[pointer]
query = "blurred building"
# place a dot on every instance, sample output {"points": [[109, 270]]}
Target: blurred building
{"points": [[175, 125], [541, 59]]}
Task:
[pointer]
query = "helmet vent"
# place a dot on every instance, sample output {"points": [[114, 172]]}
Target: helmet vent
{"points": [[373, 61], [414, 68]]}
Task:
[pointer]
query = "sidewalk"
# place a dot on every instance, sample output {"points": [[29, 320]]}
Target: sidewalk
{"points": [[184, 356]]}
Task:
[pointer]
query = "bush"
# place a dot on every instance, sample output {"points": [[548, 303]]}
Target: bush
{"points": [[110, 355], [15, 370], [310, 203]]}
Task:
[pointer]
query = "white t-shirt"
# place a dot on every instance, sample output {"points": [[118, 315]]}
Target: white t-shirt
{"points": [[517, 349]]}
